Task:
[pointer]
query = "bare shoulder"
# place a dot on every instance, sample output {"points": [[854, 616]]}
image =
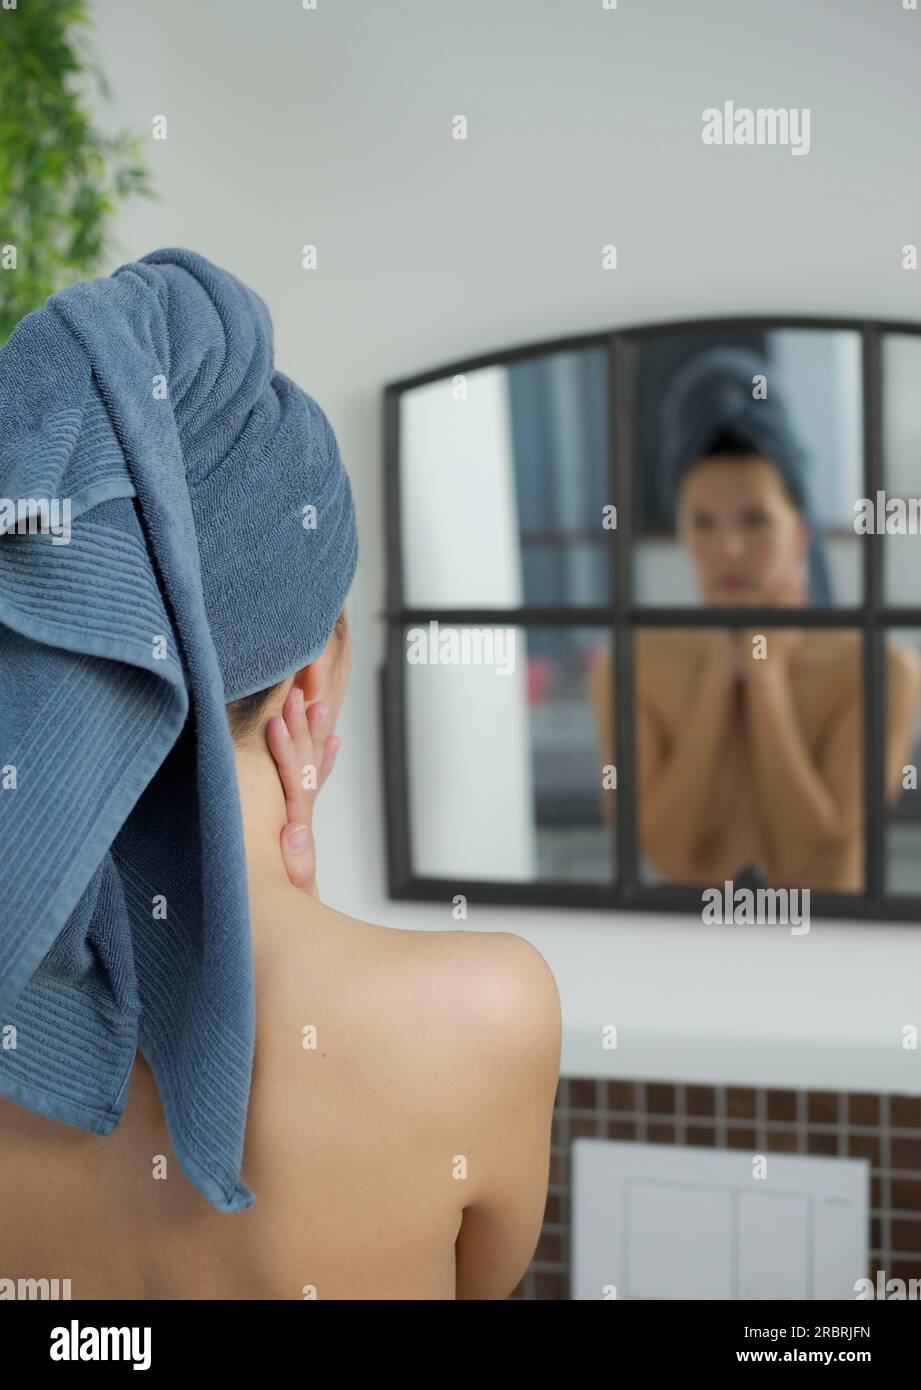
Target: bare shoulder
{"points": [[491, 1018], [828, 671], [503, 982], [661, 653], [663, 648], [442, 1050], [668, 660], [835, 653], [833, 646], [445, 1000], [493, 994], [903, 666]]}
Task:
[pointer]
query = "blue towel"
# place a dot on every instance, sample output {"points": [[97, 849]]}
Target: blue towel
{"points": [[211, 545]]}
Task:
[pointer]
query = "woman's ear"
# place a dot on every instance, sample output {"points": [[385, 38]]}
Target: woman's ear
{"points": [[308, 678]]}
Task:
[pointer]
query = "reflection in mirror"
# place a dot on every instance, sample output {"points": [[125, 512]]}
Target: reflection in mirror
{"points": [[502, 485], [503, 759], [749, 754], [903, 773], [901, 354], [748, 462]]}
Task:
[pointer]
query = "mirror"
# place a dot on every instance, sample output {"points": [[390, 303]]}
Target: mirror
{"points": [[503, 755], [502, 481], [902, 819], [901, 354], [749, 756], [778, 531], [743, 444]]}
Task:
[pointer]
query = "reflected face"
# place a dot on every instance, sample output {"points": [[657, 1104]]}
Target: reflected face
{"points": [[745, 537]]}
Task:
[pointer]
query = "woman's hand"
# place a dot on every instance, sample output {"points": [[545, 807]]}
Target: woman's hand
{"points": [[787, 589], [783, 643], [781, 647], [303, 753]]}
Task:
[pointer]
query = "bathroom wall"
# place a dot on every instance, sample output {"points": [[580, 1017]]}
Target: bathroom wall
{"points": [[332, 127], [884, 1129]]}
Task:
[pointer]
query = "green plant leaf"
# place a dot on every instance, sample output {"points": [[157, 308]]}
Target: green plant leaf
{"points": [[60, 178]]}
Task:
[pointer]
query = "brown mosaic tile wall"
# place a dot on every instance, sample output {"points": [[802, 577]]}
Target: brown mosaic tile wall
{"points": [[886, 1129]]}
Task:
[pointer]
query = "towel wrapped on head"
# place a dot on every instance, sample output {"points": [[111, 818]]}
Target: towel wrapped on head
{"points": [[210, 547], [712, 395]]}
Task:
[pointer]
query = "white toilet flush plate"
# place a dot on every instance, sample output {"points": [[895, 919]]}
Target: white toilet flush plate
{"points": [[665, 1221]]}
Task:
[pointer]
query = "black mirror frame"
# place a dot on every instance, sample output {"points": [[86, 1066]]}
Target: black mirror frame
{"points": [[625, 892]]}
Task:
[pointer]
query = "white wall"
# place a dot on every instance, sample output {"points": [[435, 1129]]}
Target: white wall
{"points": [[333, 127]]}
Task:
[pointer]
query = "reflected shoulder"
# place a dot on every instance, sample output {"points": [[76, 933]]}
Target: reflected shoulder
{"points": [[903, 666]]}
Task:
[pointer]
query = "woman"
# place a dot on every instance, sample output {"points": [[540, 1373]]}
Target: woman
{"points": [[749, 744], [398, 1120]]}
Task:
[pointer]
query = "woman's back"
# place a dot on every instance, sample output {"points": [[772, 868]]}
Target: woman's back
{"points": [[399, 1078]]}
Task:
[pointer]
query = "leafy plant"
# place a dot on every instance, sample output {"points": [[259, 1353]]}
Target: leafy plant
{"points": [[60, 178]]}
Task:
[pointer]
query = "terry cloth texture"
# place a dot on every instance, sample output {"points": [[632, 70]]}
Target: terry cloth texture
{"points": [[195, 571]]}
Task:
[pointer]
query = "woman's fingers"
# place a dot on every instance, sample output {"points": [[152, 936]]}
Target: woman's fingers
{"points": [[303, 752], [325, 746], [299, 856], [330, 749], [290, 743]]}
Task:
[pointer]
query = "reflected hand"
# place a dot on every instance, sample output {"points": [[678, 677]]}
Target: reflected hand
{"points": [[780, 643], [298, 743], [769, 647], [789, 591]]}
